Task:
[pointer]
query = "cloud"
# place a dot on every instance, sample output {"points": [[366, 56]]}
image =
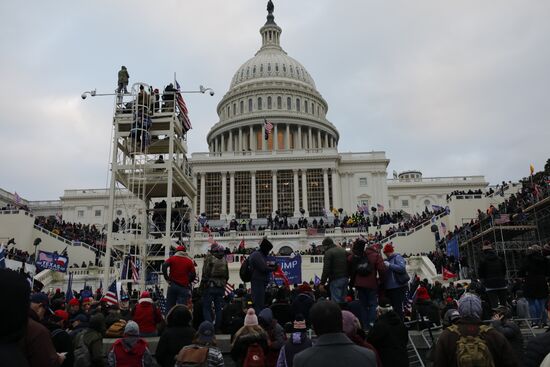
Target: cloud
{"points": [[450, 88]]}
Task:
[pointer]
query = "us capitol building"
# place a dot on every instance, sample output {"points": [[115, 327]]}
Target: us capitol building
{"points": [[298, 171]]}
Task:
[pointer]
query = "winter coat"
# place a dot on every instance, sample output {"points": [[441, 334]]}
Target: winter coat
{"points": [[147, 316], [492, 271], [397, 265], [123, 76], [358, 340], [38, 345], [390, 337], [94, 341], [177, 334], [513, 334], [130, 352], [537, 349], [214, 357], [276, 336], [426, 308], [182, 269], [377, 274], [535, 269], [282, 312], [335, 350], [445, 348], [298, 342], [62, 343], [302, 305], [215, 264], [245, 339], [260, 271], [334, 264]]}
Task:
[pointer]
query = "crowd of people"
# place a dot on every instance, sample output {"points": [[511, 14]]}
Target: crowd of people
{"points": [[79, 232]]}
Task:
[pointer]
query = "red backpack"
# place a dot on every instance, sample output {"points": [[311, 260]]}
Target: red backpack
{"points": [[255, 356]]}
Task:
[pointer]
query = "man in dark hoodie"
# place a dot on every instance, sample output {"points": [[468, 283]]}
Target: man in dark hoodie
{"points": [[389, 336], [335, 270], [261, 271], [492, 273], [177, 335], [131, 350], [535, 269]]}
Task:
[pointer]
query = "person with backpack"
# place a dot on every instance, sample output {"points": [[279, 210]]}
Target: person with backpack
{"points": [[297, 343], [335, 270], [396, 279], [130, 350], [215, 274], [260, 273], [147, 315], [470, 343], [177, 335], [182, 274], [367, 270], [203, 352], [276, 335], [250, 343], [88, 345]]}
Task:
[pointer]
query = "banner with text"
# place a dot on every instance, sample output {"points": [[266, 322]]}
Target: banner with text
{"points": [[291, 267], [52, 261]]}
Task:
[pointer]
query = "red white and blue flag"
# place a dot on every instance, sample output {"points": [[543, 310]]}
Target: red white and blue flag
{"points": [[380, 207], [229, 288], [268, 127], [111, 296], [52, 261], [184, 112]]}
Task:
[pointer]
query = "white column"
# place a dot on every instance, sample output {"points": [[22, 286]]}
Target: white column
{"points": [[253, 211], [223, 214], [304, 193], [275, 205], [335, 189], [251, 144], [351, 205], [287, 137], [202, 207], [275, 137], [232, 195], [299, 142], [230, 142], [326, 140], [325, 189], [319, 141], [240, 139], [296, 194], [222, 146], [309, 138]]}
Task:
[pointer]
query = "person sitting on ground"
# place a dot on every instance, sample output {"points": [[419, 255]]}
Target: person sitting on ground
{"points": [[298, 342], [452, 346], [276, 334], [389, 336], [333, 347], [131, 350], [250, 341], [352, 328], [147, 315], [203, 350], [177, 335]]}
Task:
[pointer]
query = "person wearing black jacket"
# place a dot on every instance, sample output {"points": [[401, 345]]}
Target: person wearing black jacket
{"points": [[537, 349], [502, 322], [62, 342], [389, 336], [261, 272], [177, 335], [535, 269], [492, 272]]}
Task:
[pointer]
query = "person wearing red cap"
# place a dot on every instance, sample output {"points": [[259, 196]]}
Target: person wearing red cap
{"points": [[396, 278], [182, 274], [146, 315]]}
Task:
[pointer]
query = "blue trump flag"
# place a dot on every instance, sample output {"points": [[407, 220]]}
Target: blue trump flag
{"points": [[452, 247], [291, 267]]}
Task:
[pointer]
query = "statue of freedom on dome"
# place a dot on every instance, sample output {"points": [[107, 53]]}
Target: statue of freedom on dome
{"points": [[270, 7]]}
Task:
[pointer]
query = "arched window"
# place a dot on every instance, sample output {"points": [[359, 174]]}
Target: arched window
{"points": [[277, 67], [269, 67], [298, 104], [306, 107], [250, 105], [247, 72], [241, 107], [228, 111], [234, 109], [280, 102], [269, 102], [288, 103], [284, 68], [259, 103], [261, 68], [312, 108]]}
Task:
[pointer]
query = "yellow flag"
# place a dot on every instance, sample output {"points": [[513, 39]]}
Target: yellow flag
{"points": [[532, 168]]}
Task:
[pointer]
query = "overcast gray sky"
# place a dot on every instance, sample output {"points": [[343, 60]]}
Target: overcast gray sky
{"points": [[446, 87]]}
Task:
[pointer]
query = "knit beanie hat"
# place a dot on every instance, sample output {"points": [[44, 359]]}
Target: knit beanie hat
{"points": [[469, 306], [388, 248], [131, 328], [250, 319], [422, 293], [350, 323], [74, 302], [145, 294]]}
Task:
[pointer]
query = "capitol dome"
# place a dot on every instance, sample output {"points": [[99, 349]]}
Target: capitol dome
{"points": [[274, 87]]}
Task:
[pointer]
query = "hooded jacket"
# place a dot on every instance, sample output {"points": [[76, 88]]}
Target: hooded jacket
{"points": [[244, 338], [397, 264], [492, 271], [258, 263], [177, 335], [390, 337], [537, 348], [297, 343], [182, 269], [130, 351], [334, 264], [377, 275], [212, 261], [535, 269], [276, 335], [147, 316]]}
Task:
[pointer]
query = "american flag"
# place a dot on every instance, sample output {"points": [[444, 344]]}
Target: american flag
{"points": [[135, 270], [268, 126], [380, 207], [161, 300], [443, 228], [69, 295], [229, 288], [111, 296], [242, 244], [502, 219], [184, 112], [17, 198]]}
